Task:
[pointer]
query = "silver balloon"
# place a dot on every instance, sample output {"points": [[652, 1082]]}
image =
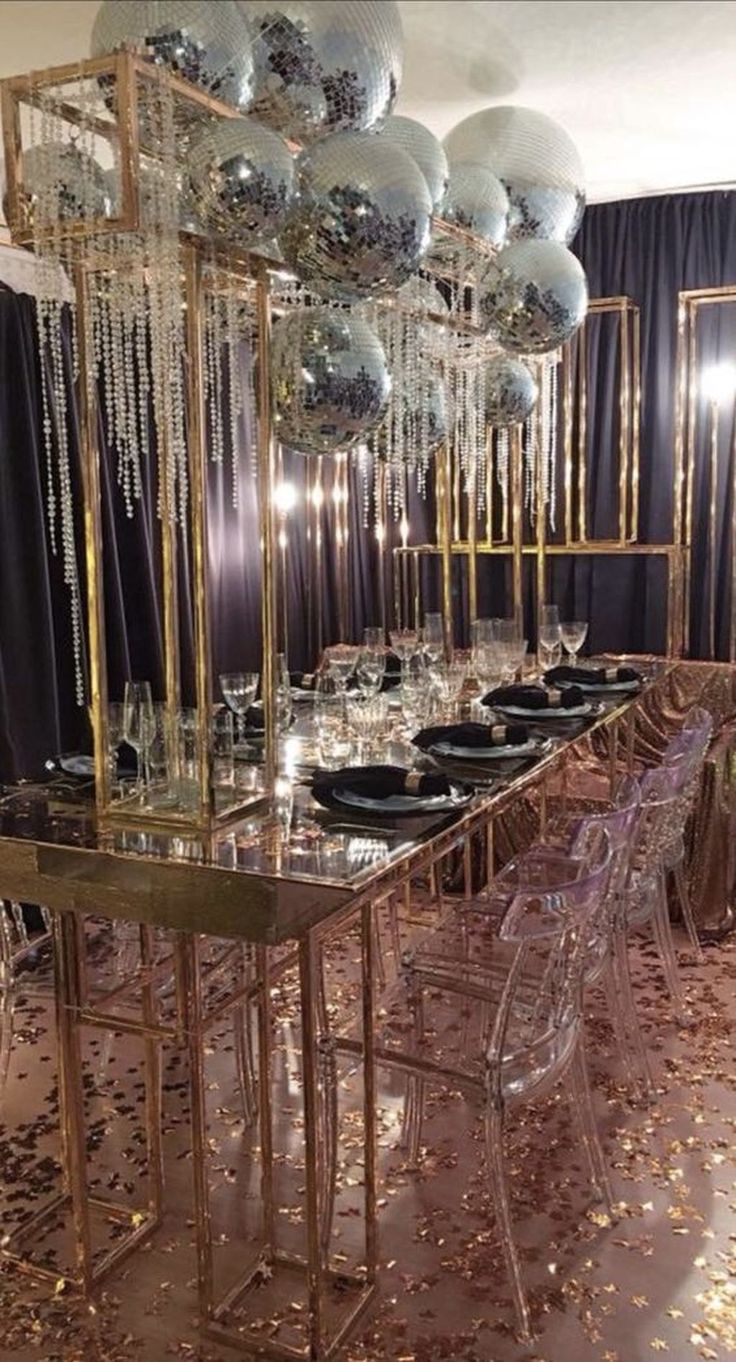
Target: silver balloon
{"points": [[208, 44], [510, 392], [477, 201], [537, 162], [424, 148], [361, 222], [243, 179], [533, 296], [325, 65], [331, 383], [64, 181]]}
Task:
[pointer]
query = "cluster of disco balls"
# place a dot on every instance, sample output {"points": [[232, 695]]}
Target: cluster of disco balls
{"points": [[317, 169]]}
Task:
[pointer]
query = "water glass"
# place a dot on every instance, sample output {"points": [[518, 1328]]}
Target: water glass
{"points": [[239, 690], [549, 654], [574, 634], [404, 643], [373, 637], [283, 804], [341, 659], [223, 765], [138, 724]]}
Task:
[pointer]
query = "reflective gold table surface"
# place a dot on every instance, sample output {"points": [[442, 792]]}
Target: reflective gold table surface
{"points": [[247, 880]]}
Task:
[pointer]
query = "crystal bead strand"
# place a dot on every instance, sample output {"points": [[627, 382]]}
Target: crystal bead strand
{"points": [[234, 384], [552, 474]]}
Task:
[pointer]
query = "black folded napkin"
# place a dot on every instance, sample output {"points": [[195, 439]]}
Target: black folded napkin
{"points": [[472, 735], [303, 680], [378, 782], [535, 697], [591, 676]]}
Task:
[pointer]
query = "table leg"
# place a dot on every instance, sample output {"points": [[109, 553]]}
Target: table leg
{"points": [[74, 1144], [308, 993]]}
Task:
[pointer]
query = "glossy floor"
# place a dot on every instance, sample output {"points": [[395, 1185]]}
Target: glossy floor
{"points": [[660, 1279]]}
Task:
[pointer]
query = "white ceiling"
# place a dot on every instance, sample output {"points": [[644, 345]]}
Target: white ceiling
{"points": [[645, 87]]}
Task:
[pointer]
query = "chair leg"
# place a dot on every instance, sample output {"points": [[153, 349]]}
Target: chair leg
{"points": [[328, 1160], [666, 947], [583, 1103], [413, 1119], [622, 984], [7, 1014], [380, 962], [499, 1191], [614, 1003], [687, 908], [247, 1084]]}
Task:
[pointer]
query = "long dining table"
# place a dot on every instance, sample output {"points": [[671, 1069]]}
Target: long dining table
{"points": [[238, 908]]}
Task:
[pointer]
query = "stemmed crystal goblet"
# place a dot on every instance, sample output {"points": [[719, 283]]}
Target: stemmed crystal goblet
{"points": [[239, 690], [138, 725], [574, 634]]}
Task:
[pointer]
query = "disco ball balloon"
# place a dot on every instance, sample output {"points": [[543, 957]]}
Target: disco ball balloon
{"points": [[477, 201], [208, 44], [533, 296], [243, 179], [537, 162], [324, 66], [361, 221], [63, 181], [331, 383], [510, 392], [424, 148]]}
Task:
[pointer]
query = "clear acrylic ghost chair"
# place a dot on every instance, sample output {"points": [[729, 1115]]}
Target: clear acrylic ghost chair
{"points": [[19, 944], [530, 1015], [684, 757], [646, 897]]}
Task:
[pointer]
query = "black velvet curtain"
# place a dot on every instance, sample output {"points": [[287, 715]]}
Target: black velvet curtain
{"points": [[647, 248]]}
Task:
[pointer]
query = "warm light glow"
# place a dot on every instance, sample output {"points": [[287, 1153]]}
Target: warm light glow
{"points": [[380, 533], [283, 541], [718, 383], [284, 497], [318, 495], [404, 531]]}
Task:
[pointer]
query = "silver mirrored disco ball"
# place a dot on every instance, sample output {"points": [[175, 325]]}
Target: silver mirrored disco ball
{"points": [[208, 44], [477, 201], [533, 296], [510, 392], [330, 380], [537, 162], [243, 179], [325, 65], [65, 180], [425, 149], [361, 221]]}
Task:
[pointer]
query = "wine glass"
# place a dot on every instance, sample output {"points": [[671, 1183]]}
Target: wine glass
{"points": [[373, 637], [239, 690], [404, 643], [370, 670], [574, 633], [138, 724]]}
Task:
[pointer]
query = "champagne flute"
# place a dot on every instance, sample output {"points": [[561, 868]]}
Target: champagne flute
{"points": [[433, 638], [138, 724], [370, 670], [404, 643], [574, 634]]}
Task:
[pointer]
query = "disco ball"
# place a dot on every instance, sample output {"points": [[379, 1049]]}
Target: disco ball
{"points": [[361, 221], [208, 44], [477, 201], [63, 181], [425, 422], [536, 161], [533, 296], [324, 66], [510, 392], [330, 379], [424, 148], [243, 180]]}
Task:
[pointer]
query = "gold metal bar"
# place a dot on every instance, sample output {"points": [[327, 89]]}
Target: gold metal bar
{"points": [[307, 968], [126, 93], [635, 424], [692, 354], [12, 146], [516, 498], [456, 494], [265, 1118], [269, 589], [198, 524], [444, 520], [582, 339], [713, 527], [732, 626], [370, 1095], [282, 623], [93, 545], [567, 397], [624, 431], [152, 1071], [384, 555], [187, 949], [66, 969]]}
